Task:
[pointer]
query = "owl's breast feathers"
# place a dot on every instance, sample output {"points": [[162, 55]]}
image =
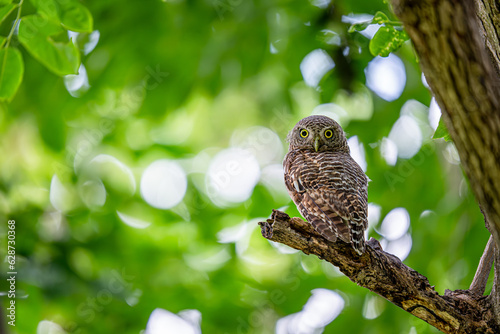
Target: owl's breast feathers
{"points": [[330, 191]]}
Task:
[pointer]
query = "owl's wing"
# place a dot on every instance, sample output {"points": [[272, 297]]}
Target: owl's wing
{"points": [[355, 188], [320, 196]]}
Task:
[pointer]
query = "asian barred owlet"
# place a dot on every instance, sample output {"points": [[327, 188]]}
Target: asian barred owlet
{"points": [[327, 185]]}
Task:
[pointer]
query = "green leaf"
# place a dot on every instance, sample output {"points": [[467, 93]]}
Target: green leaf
{"points": [[5, 2], [359, 26], [380, 18], [386, 40], [76, 17], [70, 13], [442, 131], [36, 34], [11, 72], [48, 9], [6, 10]]}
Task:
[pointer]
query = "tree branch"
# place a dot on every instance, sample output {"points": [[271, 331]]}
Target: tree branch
{"points": [[456, 312], [480, 279]]}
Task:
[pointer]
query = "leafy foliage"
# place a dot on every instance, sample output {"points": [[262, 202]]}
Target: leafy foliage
{"points": [[11, 72], [70, 14], [44, 35], [442, 131], [389, 38], [60, 57]]}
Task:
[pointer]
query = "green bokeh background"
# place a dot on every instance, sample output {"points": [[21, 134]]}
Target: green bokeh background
{"points": [[214, 75]]}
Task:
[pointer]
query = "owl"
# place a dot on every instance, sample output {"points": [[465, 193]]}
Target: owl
{"points": [[327, 185]]}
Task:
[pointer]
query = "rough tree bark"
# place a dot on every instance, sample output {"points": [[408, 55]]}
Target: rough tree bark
{"points": [[458, 45], [459, 311]]}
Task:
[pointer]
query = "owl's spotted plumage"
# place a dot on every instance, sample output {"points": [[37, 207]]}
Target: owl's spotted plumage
{"points": [[327, 185]]}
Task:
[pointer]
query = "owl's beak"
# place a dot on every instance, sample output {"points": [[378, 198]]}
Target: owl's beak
{"points": [[316, 143]]}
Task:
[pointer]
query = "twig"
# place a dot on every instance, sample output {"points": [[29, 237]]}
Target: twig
{"points": [[480, 279]]}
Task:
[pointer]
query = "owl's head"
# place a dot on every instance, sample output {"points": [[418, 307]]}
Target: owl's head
{"points": [[318, 133]]}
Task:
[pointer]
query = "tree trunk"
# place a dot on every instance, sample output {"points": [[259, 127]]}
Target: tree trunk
{"points": [[458, 46]]}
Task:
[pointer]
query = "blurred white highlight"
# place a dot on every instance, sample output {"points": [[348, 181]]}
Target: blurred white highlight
{"points": [[114, 172], [370, 31], [273, 178], [394, 229], [315, 65], [272, 49], [133, 298], [239, 234], [261, 142], [407, 136], [93, 193], [451, 154], [400, 247], [395, 224], [92, 42], [424, 81], [132, 222], [77, 84], [60, 196], [434, 114], [49, 327], [334, 111], [282, 248], [386, 77], [374, 212], [231, 176], [163, 184], [320, 3], [331, 37], [389, 151], [52, 226], [320, 310], [373, 307], [357, 152], [164, 322], [207, 261]]}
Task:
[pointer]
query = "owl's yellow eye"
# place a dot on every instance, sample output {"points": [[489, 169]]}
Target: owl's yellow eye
{"points": [[304, 133], [328, 134]]}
